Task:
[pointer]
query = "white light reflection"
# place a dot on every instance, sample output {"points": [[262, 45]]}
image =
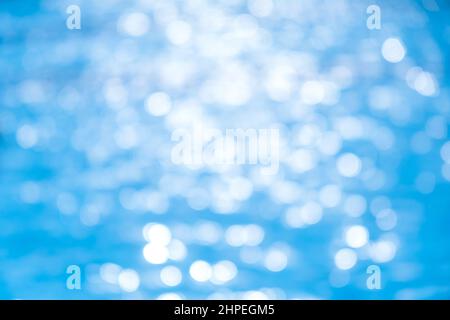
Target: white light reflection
{"points": [[345, 259]]}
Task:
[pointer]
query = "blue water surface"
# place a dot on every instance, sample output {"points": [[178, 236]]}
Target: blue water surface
{"points": [[87, 178]]}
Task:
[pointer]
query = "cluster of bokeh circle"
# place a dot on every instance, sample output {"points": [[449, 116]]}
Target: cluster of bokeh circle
{"points": [[351, 105]]}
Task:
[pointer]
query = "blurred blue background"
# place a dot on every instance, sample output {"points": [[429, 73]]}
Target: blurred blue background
{"points": [[86, 177]]}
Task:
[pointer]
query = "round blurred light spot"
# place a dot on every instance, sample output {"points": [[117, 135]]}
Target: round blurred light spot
{"points": [[425, 84], [445, 171], [169, 296], [330, 196], [177, 250], [279, 81], [250, 235], [285, 191], [275, 260], [382, 97], [26, 136], [355, 205], [90, 215], [235, 236], [171, 276], [208, 232], [232, 86], [66, 203], [109, 272], [356, 236], [241, 188], [254, 295], [311, 213], [115, 93], [383, 138], [179, 32], [126, 137], [307, 134], [312, 92], [393, 50], [254, 235], [158, 104], [198, 199], [200, 271], [375, 179], [411, 76], [223, 271], [445, 152], [330, 143], [386, 219], [379, 203], [350, 128], [128, 280], [155, 201], [342, 75], [382, 251], [345, 259], [436, 127], [332, 93], [302, 160], [349, 165], [293, 217], [155, 253], [134, 24], [157, 234], [425, 182]]}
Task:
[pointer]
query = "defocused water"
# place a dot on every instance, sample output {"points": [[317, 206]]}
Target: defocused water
{"points": [[86, 177]]}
